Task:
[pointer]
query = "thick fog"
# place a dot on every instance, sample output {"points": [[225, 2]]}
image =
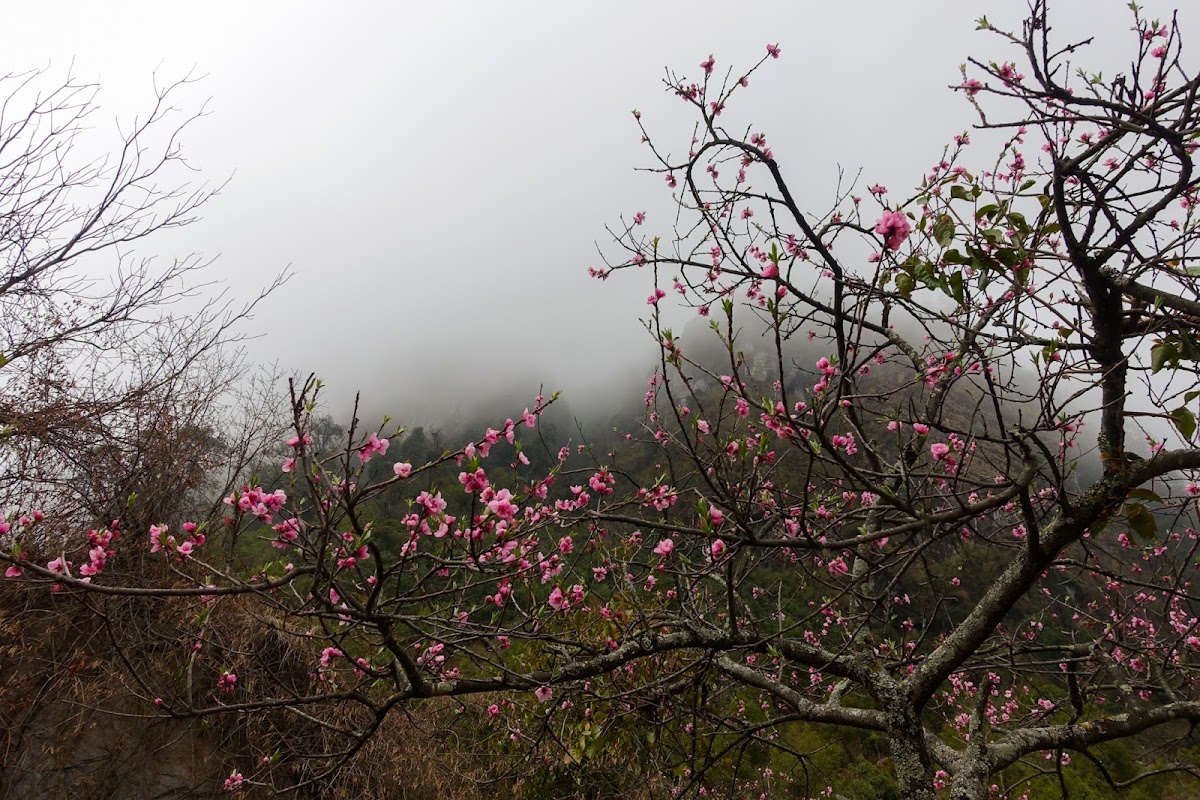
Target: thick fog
{"points": [[437, 176]]}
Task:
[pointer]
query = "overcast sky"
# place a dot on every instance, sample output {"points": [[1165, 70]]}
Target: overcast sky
{"points": [[438, 175]]}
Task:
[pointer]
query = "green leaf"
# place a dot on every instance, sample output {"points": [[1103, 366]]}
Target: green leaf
{"points": [[994, 235], [925, 273], [1189, 348], [943, 230], [1161, 355], [1017, 222], [956, 287], [981, 260], [1144, 494], [905, 285], [1185, 422], [1141, 520], [955, 257], [958, 193], [1007, 256]]}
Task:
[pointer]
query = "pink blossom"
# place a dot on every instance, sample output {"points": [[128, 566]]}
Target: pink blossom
{"points": [[402, 469], [894, 227], [374, 445], [502, 506], [773, 50], [544, 694], [474, 481], [433, 503], [664, 548], [557, 600], [939, 450], [717, 548], [707, 65], [921, 428], [156, 532]]}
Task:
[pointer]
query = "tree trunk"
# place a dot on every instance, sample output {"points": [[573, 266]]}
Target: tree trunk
{"points": [[971, 782], [910, 755]]}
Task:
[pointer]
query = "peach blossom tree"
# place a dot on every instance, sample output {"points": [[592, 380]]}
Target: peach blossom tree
{"points": [[935, 483]]}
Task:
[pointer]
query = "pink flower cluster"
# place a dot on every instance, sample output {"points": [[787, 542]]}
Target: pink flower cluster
{"points": [[257, 502], [328, 655], [227, 682], [661, 497], [845, 443], [894, 227], [828, 371], [286, 533], [161, 539], [373, 446], [561, 601], [98, 552]]}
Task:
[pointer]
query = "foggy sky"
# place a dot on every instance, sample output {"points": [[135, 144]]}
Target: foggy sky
{"points": [[437, 176]]}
